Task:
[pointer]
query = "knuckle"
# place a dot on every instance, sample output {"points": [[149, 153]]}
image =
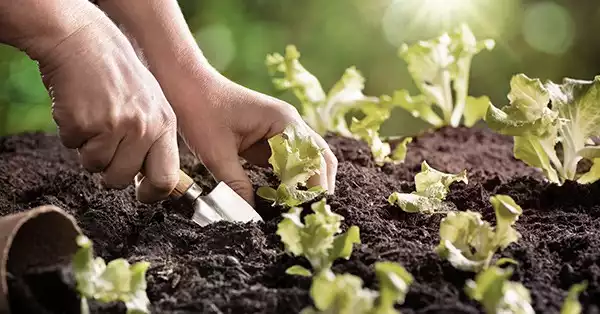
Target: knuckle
{"points": [[139, 127], [112, 120], [168, 120]]}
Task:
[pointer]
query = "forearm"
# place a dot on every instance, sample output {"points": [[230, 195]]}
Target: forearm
{"points": [[169, 48], [37, 26]]}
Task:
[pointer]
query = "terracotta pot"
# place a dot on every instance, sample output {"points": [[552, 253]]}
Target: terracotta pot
{"points": [[35, 239]]}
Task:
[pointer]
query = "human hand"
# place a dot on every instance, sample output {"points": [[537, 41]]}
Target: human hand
{"points": [[109, 107], [218, 119], [222, 120]]}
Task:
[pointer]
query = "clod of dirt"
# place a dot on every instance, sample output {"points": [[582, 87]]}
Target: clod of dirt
{"points": [[233, 268]]}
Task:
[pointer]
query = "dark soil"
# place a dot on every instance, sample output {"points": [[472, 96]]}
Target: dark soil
{"points": [[232, 268]]}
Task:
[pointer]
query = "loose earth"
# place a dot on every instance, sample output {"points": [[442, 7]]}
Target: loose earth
{"points": [[234, 268]]}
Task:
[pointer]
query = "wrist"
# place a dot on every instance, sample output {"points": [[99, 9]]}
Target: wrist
{"points": [[37, 28], [168, 48]]}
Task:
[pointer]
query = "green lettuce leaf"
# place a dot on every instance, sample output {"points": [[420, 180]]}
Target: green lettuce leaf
{"points": [[345, 294], [475, 109], [507, 214], [340, 294], [469, 243], [318, 238], [418, 106], [294, 158], [117, 281], [497, 294], [394, 282], [571, 304], [367, 129], [465, 241], [440, 68], [552, 125], [323, 112], [432, 187]]}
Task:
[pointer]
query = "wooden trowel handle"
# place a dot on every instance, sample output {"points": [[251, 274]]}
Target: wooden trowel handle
{"points": [[183, 185]]}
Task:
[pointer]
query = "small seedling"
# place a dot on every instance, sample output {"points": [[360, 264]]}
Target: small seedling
{"points": [[344, 294], [571, 304], [440, 68], [115, 281], [315, 239], [432, 186], [497, 294], [326, 112], [294, 158], [469, 243]]}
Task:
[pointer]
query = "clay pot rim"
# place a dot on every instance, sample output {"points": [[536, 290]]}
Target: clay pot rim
{"points": [[20, 219]]}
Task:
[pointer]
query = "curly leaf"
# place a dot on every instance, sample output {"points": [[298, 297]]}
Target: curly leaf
{"points": [[399, 153], [315, 239], [340, 294], [115, 281], [394, 281], [343, 244], [295, 158], [466, 241], [436, 184], [540, 116], [497, 294], [507, 214], [432, 186], [415, 203]]}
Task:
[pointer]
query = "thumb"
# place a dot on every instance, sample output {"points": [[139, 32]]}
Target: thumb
{"points": [[224, 164]]}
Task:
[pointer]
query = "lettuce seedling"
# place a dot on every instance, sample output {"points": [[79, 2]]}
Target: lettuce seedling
{"points": [[497, 294], [295, 158], [469, 243], [440, 68], [571, 304], [432, 186], [316, 238], [552, 125], [324, 112], [117, 281], [345, 294], [367, 129]]}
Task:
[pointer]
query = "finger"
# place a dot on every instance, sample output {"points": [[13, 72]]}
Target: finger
{"points": [[319, 179], [160, 171], [97, 153], [329, 163], [225, 166], [127, 161]]}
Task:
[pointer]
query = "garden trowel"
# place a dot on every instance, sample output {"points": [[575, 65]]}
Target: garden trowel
{"points": [[222, 203]]}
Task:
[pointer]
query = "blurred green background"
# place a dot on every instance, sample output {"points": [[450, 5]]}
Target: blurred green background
{"points": [[545, 39]]}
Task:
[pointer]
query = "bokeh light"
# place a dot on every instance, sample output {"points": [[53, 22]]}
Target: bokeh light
{"points": [[548, 27], [410, 20]]}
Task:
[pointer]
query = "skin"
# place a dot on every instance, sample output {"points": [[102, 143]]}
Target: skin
{"points": [[121, 107]]}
